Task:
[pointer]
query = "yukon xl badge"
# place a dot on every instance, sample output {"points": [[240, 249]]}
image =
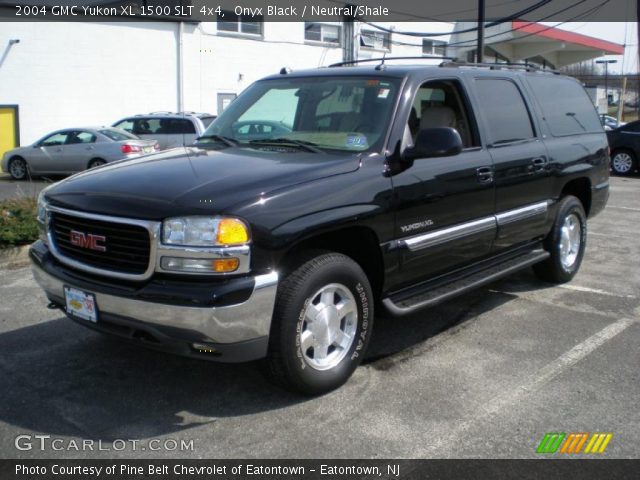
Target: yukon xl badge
{"points": [[415, 226]]}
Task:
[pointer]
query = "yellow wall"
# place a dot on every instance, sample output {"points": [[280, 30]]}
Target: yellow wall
{"points": [[7, 129]]}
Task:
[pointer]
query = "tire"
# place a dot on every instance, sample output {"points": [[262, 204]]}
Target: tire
{"points": [[566, 243], [316, 356], [96, 162], [18, 168], [623, 162]]}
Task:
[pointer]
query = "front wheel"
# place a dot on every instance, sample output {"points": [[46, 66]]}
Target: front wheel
{"points": [[322, 324], [18, 168], [566, 243]]}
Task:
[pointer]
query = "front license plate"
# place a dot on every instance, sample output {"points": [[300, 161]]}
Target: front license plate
{"points": [[81, 304]]}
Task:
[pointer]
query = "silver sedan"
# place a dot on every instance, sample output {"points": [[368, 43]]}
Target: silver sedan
{"points": [[74, 149]]}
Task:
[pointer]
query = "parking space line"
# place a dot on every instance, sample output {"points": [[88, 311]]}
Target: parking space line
{"points": [[542, 377], [624, 208], [578, 288], [609, 235]]}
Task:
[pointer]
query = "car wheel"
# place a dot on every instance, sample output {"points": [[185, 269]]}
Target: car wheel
{"points": [[321, 325], [96, 162], [18, 168], [623, 162], [566, 243]]}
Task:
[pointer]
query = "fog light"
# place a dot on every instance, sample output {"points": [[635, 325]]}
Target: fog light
{"points": [[203, 348], [201, 265]]}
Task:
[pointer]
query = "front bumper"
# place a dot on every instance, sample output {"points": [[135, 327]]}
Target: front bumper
{"points": [[232, 318]]}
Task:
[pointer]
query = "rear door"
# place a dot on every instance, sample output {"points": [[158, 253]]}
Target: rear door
{"points": [[78, 151], [520, 159], [180, 131]]}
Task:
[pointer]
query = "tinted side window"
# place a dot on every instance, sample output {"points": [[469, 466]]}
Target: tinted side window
{"points": [[507, 116], [149, 126], [126, 125], [565, 105], [181, 126], [631, 127]]}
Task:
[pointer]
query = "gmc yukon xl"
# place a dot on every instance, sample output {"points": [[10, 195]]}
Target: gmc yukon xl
{"points": [[388, 187]]}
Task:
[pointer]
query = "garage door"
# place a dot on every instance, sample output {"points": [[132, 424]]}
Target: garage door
{"points": [[8, 128]]}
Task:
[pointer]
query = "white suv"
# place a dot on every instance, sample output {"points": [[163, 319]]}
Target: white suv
{"points": [[169, 129]]}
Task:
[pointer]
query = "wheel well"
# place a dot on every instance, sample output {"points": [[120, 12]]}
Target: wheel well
{"points": [[580, 188], [94, 159], [359, 243]]}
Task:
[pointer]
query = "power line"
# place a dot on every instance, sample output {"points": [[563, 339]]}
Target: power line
{"points": [[466, 30]]}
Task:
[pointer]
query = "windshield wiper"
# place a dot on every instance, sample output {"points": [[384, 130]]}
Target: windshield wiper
{"points": [[302, 144], [231, 142]]}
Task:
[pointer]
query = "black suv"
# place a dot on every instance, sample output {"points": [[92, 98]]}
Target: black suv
{"points": [[396, 187]]}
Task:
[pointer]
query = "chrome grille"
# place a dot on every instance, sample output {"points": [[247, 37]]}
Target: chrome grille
{"points": [[127, 246]]}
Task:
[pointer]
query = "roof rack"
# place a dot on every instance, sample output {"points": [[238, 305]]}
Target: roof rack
{"points": [[385, 58], [162, 112], [499, 66]]}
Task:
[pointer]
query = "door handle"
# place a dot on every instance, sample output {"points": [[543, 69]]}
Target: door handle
{"points": [[538, 164], [484, 174]]}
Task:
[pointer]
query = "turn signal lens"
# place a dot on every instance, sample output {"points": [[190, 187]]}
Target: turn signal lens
{"points": [[225, 265], [232, 231]]}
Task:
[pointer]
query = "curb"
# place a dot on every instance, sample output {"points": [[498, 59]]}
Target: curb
{"points": [[14, 257]]}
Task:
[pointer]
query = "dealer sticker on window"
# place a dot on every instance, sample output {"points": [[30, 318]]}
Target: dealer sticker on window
{"points": [[81, 304]]}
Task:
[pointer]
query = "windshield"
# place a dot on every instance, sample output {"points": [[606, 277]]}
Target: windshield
{"points": [[336, 113]]}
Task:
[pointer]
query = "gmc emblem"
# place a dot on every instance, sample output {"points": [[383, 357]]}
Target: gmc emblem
{"points": [[87, 240]]}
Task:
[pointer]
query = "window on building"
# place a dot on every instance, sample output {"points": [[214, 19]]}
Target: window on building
{"points": [[228, 21], [375, 39], [321, 32], [566, 106], [434, 47], [506, 113]]}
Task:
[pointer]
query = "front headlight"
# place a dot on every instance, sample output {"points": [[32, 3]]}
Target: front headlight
{"points": [[42, 217], [205, 231]]}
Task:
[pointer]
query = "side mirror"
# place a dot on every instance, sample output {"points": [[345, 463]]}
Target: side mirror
{"points": [[435, 142]]}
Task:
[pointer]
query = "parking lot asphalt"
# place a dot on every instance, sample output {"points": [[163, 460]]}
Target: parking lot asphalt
{"points": [[10, 188], [485, 375]]}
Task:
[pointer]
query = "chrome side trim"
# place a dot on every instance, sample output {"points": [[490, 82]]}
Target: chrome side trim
{"points": [[152, 227], [444, 235], [522, 213], [230, 324]]}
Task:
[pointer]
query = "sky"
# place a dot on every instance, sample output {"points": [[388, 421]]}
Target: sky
{"points": [[624, 33]]}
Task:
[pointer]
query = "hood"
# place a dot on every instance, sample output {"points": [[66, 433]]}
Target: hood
{"points": [[192, 181]]}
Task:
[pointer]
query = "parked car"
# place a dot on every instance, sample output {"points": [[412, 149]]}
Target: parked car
{"points": [[169, 129], [625, 148], [397, 186], [257, 129], [74, 149], [610, 123]]}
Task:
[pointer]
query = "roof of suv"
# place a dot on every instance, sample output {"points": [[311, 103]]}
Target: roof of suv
{"points": [[404, 70]]}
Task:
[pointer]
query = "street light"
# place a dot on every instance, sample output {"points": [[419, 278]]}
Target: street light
{"points": [[606, 78]]}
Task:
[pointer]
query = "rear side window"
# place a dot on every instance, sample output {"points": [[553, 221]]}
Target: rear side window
{"points": [[179, 125], [565, 106], [506, 113]]}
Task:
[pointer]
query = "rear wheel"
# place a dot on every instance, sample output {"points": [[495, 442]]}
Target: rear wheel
{"points": [[623, 162], [96, 162], [322, 324], [18, 168], [566, 243]]}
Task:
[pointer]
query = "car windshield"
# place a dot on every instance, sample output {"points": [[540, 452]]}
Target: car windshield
{"points": [[345, 113], [117, 135]]}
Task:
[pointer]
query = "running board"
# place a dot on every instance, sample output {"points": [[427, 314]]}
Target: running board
{"points": [[430, 297]]}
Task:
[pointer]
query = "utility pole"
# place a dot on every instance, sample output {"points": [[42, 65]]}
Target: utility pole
{"points": [[480, 55], [348, 32]]}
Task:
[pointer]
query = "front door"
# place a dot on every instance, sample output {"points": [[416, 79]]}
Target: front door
{"points": [[445, 205], [48, 153]]}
